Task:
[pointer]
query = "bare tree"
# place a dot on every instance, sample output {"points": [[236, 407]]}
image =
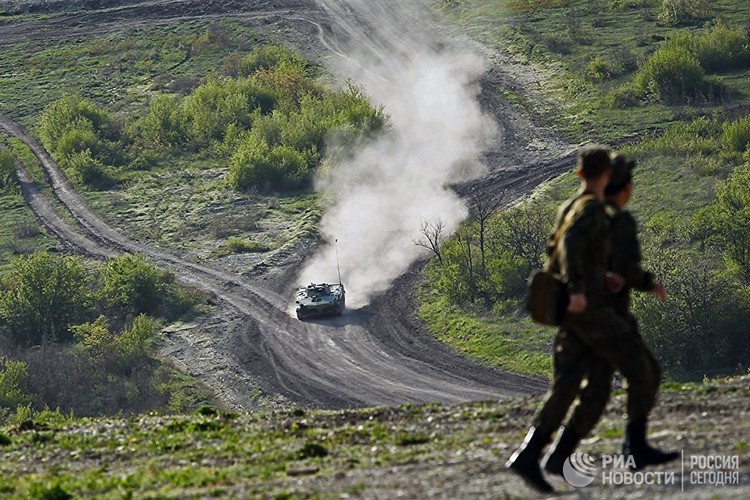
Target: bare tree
{"points": [[433, 237], [482, 208]]}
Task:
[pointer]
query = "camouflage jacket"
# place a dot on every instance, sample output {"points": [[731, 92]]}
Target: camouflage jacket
{"points": [[626, 256], [583, 250]]}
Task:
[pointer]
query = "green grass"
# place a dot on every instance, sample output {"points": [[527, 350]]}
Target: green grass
{"points": [[117, 70], [512, 343], [207, 452], [562, 42], [308, 453]]}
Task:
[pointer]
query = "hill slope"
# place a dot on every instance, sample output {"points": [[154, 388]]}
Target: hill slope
{"points": [[412, 451]]}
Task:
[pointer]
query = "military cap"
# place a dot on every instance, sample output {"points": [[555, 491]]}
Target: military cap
{"points": [[594, 161], [622, 173]]}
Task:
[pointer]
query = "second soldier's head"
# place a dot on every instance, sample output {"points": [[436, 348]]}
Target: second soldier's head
{"points": [[621, 182]]}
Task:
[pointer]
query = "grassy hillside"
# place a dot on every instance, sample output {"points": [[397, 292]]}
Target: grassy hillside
{"points": [[613, 72], [587, 50], [379, 452], [81, 97]]}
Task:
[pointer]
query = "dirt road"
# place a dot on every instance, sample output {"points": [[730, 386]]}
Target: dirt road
{"points": [[250, 351]]}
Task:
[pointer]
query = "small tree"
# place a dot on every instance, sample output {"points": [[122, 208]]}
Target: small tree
{"points": [[433, 237], [134, 284], [43, 295]]}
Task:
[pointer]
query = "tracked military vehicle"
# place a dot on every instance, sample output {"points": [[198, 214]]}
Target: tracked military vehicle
{"points": [[320, 299]]}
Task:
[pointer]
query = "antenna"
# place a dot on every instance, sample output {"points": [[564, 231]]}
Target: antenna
{"points": [[338, 268]]}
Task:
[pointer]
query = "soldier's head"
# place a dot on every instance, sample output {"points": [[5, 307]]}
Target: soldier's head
{"points": [[620, 185], [593, 163]]}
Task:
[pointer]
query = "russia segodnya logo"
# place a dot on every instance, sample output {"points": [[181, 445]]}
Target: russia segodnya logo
{"points": [[579, 469]]}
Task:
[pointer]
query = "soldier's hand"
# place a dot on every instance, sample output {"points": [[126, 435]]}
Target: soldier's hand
{"points": [[615, 282], [577, 303], [660, 292]]}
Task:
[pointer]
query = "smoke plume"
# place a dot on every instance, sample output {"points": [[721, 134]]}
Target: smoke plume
{"points": [[378, 197]]}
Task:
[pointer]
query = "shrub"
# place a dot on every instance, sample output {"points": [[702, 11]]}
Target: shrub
{"points": [[238, 245], [269, 57], [684, 11], [43, 295], [673, 75], [736, 135], [162, 127], [624, 97], [718, 47], [727, 219], [79, 137], [722, 48], [599, 69], [91, 171], [134, 284], [95, 338], [13, 379], [71, 112], [255, 165], [133, 343], [7, 169]]}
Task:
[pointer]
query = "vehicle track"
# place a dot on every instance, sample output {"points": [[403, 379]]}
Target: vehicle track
{"points": [[350, 361], [377, 355]]}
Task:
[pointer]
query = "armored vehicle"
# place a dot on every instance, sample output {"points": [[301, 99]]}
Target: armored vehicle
{"points": [[320, 299]]}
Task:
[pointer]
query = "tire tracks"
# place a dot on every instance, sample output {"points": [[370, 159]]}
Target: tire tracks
{"points": [[341, 363]]}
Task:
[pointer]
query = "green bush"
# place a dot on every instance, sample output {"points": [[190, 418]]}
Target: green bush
{"points": [[91, 171], [700, 328], [696, 137], [269, 57], [42, 296], [71, 112], [725, 222], [79, 137], [133, 344], [238, 245], [684, 11], [257, 166], [134, 284], [722, 48], [163, 126], [7, 169], [736, 135], [673, 75], [95, 338], [13, 383], [600, 69]]}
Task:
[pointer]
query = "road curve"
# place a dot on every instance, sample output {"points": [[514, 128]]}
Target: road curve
{"points": [[363, 358]]}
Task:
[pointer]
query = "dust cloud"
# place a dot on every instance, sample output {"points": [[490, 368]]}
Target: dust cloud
{"points": [[378, 196]]}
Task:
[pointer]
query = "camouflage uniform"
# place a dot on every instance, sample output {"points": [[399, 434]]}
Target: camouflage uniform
{"points": [[580, 362], [626, 261], [590, 344]]}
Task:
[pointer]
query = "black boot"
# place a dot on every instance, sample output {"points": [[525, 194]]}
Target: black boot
{"points": [[525, 461], [566, 443], [635, 445]]}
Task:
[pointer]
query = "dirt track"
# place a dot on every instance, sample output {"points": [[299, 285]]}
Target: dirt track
{"points": [[250, 351]]}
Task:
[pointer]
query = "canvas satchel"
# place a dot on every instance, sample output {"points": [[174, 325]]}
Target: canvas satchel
{"points": [[547, 293]]}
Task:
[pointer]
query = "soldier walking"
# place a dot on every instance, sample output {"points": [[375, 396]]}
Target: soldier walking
{"points": [[593, 338]]}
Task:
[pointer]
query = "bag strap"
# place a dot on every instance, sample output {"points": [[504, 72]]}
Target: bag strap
{"points": [[568, 219]]}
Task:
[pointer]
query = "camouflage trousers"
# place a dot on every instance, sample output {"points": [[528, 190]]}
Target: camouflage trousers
{"points": [[587, 350]]}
